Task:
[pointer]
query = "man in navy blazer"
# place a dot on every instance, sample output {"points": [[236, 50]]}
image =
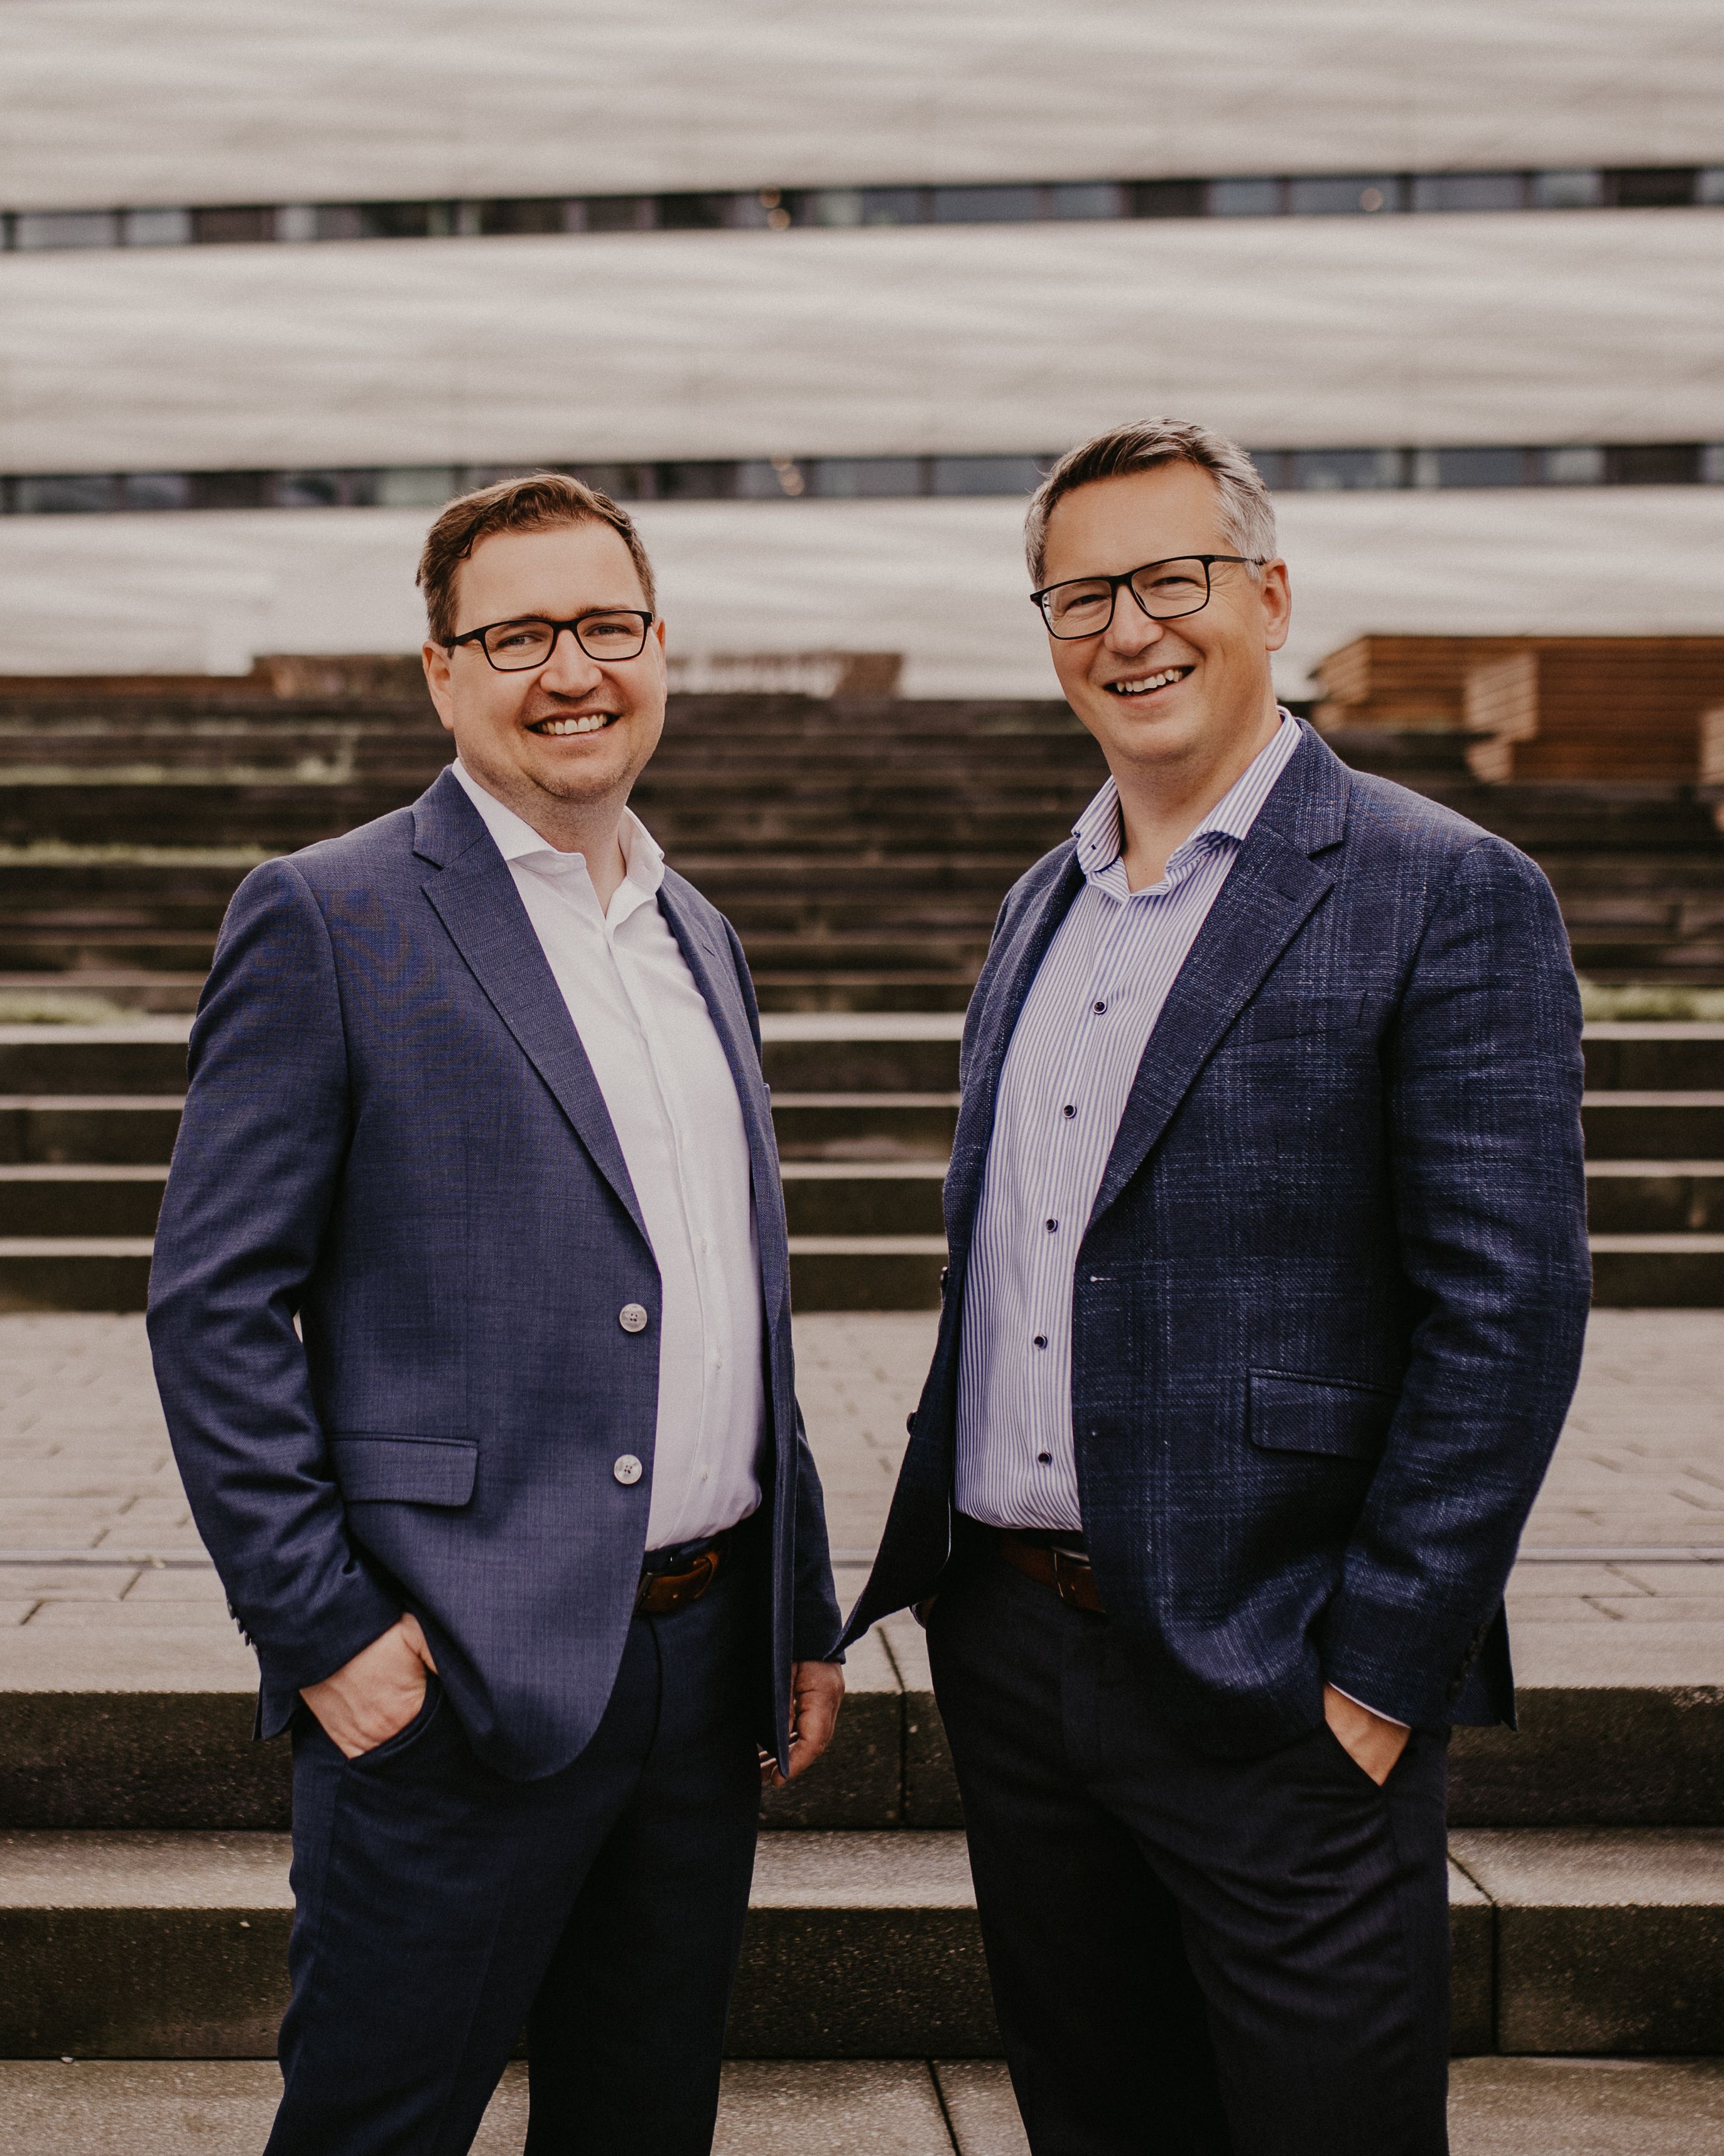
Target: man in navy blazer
{"points": [[470, 1313], [1267, 1280]]}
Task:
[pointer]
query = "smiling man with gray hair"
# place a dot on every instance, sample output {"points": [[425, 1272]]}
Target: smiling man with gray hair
{"points": [[1268, 1278]]}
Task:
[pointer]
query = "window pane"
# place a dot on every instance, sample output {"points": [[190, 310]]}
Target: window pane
{"points": [[417, 486], [1652, 464], [232, 227], [891, 206], [75, 227], [1471, 467], [159, 227], [155, 491], [1469, 191], [1657, 188], [538, 213], [986, 205], [1245, 197], [1171, 198], [82, 493], [1578, 464], [852, 477], [1099, 199], [1577, 190], [1329, 471], [1343, 196], [986, 475]]}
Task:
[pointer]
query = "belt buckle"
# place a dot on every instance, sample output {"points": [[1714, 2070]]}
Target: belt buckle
{"points": [[1067, 1573]]}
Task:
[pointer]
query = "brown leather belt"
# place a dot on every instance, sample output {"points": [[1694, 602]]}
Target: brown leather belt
{"points": [[1071, 1577], [660, 1593]]}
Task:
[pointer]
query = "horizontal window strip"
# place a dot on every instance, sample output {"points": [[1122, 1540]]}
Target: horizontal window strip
{"points": [[784, 209], [847, 479]]}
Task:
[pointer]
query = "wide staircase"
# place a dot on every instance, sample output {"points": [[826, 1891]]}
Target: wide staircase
{"points": [[862, 849]]}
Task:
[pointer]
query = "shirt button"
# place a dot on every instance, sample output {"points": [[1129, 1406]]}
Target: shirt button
{"points": [[1045, 1458], [1068, 1110], [627, 1469], [632, 1317], [1041, 1340], [1098, 1008], [1053, 1227]]}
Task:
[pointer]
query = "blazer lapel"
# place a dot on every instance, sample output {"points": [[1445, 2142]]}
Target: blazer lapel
{"points": [[1273, 889], [475, 898], [1001, 1005], [716, 976]]}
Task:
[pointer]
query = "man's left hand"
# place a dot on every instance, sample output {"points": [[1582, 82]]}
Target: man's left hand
{"points": [[1370, 1743], [817, 1690]]}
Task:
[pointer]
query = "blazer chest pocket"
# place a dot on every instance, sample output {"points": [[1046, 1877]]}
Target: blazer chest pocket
{"points": [[1331, 1416], [371, 1465]]}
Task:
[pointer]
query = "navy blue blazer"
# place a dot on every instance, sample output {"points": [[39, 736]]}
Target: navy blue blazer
{"points": [[395, 1146], [1328, 1308]]}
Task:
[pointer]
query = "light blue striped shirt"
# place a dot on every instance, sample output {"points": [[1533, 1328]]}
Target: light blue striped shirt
{"points": [[1074, 1052]]}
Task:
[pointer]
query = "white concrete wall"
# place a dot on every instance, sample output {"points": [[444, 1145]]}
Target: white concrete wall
{"points": [[1589, 326], [942, 581], [140, 102]]}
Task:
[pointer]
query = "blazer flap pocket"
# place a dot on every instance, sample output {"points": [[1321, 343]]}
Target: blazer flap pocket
{"points": [[1284, 1017], [408, 1471], [1333, 1415]]}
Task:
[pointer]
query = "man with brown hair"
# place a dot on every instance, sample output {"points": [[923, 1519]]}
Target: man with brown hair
{"points": [[470, 1313], [1268, 1278]]}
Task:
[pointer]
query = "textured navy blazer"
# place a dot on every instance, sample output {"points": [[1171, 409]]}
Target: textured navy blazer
{"points": [[1329, 1305], [394, 1141]]}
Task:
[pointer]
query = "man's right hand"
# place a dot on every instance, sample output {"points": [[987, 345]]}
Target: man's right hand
{"points": [[372, 1699]]}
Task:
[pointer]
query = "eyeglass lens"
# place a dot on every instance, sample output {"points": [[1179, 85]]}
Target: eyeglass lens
{"points": [[512, 646], [1164, 590]]}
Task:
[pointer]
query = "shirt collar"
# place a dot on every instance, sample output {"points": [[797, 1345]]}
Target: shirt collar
{"points": [[1099, 833], [516, 840]]}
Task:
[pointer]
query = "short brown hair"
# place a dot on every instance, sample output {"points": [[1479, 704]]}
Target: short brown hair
{"points": [[540, 501], [1248, 515]]}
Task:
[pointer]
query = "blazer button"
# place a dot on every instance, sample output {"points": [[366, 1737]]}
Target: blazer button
{"points": [[632, 1317], [627, 1469]]}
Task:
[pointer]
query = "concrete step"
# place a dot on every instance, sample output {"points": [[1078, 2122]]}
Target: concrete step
{"points": [[137, 1714], [1655, 1197], [847, 1271], [1607, 1939], [767, 2107], [1497, 2107], [858, 1945], [1670, 1125], [1626, 1199]]}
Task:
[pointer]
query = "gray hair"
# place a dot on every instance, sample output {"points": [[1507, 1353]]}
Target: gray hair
{"points": [[1247, 516]]}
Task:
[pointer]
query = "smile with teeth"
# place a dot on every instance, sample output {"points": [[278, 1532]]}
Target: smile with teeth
{"points": [[1149, 682], [582, 723]]}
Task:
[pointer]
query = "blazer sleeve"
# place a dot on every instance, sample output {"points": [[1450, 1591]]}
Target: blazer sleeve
{"points": [[815, 1623], [1484, 1076], [254, 1177]]}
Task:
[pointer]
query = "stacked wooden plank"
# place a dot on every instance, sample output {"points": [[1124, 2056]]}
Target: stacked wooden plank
{"points": [[1637, 710]]}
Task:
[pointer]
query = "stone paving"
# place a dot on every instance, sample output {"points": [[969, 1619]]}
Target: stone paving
{"points": [[88, 1481]]}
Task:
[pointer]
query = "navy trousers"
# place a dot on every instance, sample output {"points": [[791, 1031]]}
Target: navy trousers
{"points": [[439, 1908], [1190, 1956]]}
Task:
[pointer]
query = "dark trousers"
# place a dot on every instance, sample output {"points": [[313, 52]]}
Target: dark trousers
{"points": [[1190, 1956], [439, 1907]]}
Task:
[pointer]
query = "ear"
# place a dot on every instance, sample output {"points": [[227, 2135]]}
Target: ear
{"points": [[1276, 593], [438, 661]]}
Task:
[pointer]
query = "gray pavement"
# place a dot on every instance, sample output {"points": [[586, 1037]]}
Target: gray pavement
{"points": [[96, 1534], [856, 2107]]}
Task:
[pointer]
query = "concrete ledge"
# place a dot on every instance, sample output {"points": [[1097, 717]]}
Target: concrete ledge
{"points": [[147, 1945], [1621, 1725], [1606, 1940]]}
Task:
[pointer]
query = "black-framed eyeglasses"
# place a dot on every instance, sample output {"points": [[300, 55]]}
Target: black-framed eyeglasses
{"points": [[1083, 606], [515, 647]]}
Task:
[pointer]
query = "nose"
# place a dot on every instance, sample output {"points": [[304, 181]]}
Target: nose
{"points": [[569, 671], [1132, 630]]}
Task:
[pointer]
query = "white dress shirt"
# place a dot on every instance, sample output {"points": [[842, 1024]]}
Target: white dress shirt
{"points": [[1084, 1029], [672, 1102]]}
